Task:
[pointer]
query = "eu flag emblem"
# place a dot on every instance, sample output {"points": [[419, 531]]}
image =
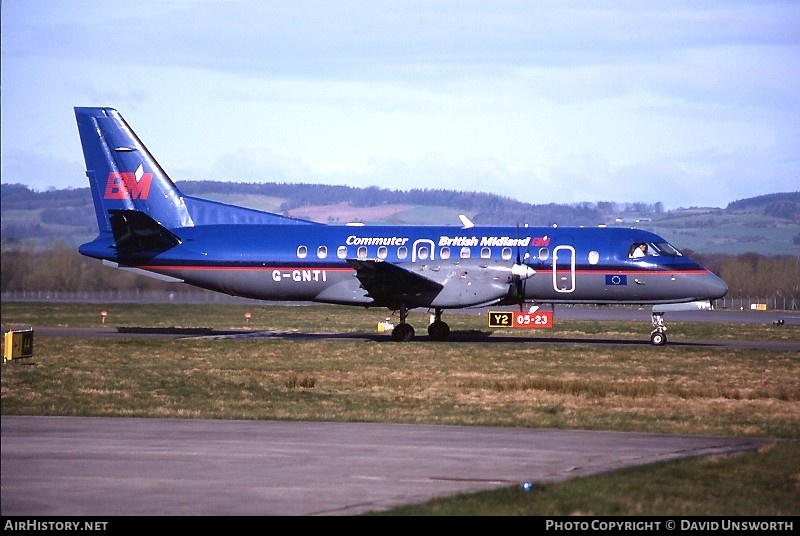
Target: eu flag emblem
{"points": [[616, 280]]}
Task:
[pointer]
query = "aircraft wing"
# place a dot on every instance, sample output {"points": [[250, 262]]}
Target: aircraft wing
{"points": [[389, 284]]}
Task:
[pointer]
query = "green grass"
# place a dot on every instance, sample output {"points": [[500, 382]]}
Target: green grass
{"points": [[336, 319], [498, 381], [763, 483]]}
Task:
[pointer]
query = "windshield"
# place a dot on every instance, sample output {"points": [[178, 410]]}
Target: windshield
{"points": [[665, 248]]}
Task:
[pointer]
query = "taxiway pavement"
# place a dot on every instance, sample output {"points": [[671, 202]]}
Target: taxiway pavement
{"points": [[74, 466]]}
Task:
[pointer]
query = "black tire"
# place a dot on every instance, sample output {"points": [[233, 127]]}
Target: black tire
{"points": [[403, 333], [438, 331]]}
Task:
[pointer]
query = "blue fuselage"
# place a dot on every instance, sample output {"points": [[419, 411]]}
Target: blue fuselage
{"points": [[472, 265]]}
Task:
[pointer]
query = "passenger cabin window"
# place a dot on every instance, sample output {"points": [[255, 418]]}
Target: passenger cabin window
{"points": [[322, 252], [383, 252], [302, 251], [594, 257], [402, 252], [362, 252], [506, 253], [444, 253], [544, 254], [342, 252], [422, 252], [465, 253], [485, 253]]}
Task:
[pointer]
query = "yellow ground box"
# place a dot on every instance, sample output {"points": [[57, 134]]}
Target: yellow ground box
{"points": [[17, 344]]}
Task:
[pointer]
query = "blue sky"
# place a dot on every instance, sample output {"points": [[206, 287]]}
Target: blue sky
{"points": [[684, 102]]}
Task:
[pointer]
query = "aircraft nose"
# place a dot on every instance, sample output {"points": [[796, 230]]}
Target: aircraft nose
{"points": [[715, 286]]}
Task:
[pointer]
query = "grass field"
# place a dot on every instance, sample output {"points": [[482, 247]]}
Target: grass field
{"points": [[499, 382]]}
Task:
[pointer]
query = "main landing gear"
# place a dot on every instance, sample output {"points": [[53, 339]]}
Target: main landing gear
{"points": [[658, 336], [403, 331], [438, 330]]}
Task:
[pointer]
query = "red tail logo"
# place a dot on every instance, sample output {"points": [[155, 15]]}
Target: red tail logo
{"points": [[128, 185]]}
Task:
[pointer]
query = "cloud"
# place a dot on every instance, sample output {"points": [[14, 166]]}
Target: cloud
{"points": [[519, 97], [258, 164], [42, 171]]}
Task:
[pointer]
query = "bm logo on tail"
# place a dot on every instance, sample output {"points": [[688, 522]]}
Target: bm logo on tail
{"points": [[128, 185]]}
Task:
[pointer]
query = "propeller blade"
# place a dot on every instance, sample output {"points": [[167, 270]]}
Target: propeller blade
{"points": [[518, 281]]}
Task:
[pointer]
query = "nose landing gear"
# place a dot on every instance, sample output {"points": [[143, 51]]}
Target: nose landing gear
{"points": [[658, 337]]}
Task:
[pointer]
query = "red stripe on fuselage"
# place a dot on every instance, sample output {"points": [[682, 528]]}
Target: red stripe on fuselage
{"points": [[560, 270], [631, 272], [241, 268]]}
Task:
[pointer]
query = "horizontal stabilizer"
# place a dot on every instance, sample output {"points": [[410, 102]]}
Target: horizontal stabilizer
{"points": [[135, 231]]}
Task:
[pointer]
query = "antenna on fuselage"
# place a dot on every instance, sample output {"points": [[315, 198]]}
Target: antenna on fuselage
{"points": [[465, 222]]}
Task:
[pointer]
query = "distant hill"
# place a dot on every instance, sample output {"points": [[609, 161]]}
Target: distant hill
{"points": [[768, 224]]}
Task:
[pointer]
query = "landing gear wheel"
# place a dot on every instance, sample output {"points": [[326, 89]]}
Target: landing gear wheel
{"points": [[403, 333], [658, 338], [438, 331]]}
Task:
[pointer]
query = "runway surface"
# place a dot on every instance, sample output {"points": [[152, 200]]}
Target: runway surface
{"points": [[72, 466]]}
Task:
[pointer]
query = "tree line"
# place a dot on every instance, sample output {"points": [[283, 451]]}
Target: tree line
{"points": [[486, 208], [62, 268], [55, 213]]}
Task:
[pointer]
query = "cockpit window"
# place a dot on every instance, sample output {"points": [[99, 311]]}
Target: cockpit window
{"points": [[654, 249], [664, 248], [639, 250]]}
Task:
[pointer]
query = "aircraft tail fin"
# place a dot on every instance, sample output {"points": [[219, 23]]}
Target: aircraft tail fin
{"points": [[124, 176], [122, 173]]}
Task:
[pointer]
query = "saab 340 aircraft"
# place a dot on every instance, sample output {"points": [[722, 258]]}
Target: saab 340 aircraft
{"points": [[146, 224]]}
